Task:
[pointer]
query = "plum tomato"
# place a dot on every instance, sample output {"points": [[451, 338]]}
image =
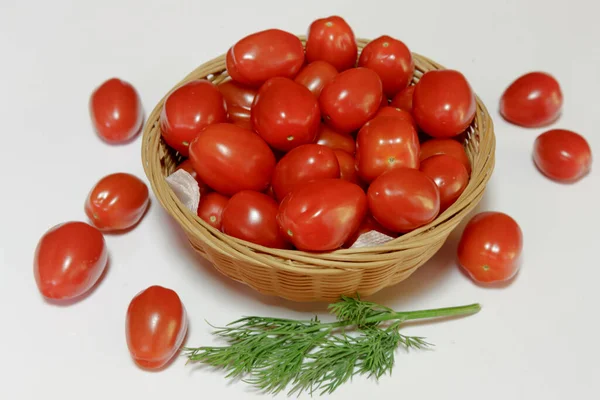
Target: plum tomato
{"points": [[69, 259], [321, 215], [450, 176], [403, 199], [210, 208], [533, 100], [351, 99], [347, 167], [404, 99], [562, 155], [238, 99], [187, 166], [230, 159], [392, 61], [316, 75], [187, 110], [155, 327], [385, 143], [116, 111], [335, 140], [260, 56], [368, 224], [332, 40], [490, 247], [397, 113], [252, 216], [443, 103], [117, 202], [449, 147]]}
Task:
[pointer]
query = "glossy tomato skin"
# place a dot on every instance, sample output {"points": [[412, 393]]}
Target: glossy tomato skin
{"points": [[450, 176], [316, 75], [187, 166], [188, 110], [490, 247], [238, 99], [116, 111], [155, 327], [321, 215], [392, 60], [449, 147], [332, 40], [403, 199], [562, 155], [397, 113], [347, 167], [285, 114], [443, 103], [69, 259], [252, 216], [230, 159], [260, 56], [533, 100], [351, 99], [404, 99], [211, 207], [386, 143], [335, 140], [117, 202]]}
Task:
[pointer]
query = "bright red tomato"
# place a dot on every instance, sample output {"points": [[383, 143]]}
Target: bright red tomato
{"points": [[316, 75], [443, 103], [562, 155], [490, 247], [304, 164], [335, 140], [351, 99], [155, 327], [368, 224], [239, 100], [397, 113], [187, 110], [263, 55], [403, 199], [211, 208], [187, 166], [449, 147], [347, 167], [116, 111], [392, 61], [321, 215], [404, 99], [252, 216], [331, 39], [450, 176], [230, 159], [385, 143], [69, 259], [285, 114], [533, 100]]}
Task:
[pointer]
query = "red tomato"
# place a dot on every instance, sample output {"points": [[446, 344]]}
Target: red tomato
{"points": [[187, 110], [321, 215], [351, 99], [155, 327], [116, 111], [69, 260], [490, 247], [347, 167], [562, 155], [187, 166], [533, 100], [237, 95], [404, 99], [392, 61], [332, 40], [368, 224], [230, 159], [211, 208], [240, 117], [397, 113], [443, 103], [252, 216], [285, 114], [450, 176], [263, 55], [449, 147], [403, 199], [385, 143], [316, 75], [335, 140]]}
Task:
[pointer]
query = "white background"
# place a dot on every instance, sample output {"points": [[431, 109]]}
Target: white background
{"points": [[535, 339]]}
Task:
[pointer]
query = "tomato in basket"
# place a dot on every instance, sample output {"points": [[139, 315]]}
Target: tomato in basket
{"points": [[335, 140], [404, 99], [390, 111], [211, 207], [450, 176], [187, 166], [347, 167], [449, 147], [316, 75], [239, 100], [562, 155], [332, 40]]}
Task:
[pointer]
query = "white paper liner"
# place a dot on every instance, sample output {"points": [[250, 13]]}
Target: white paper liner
{"points": [[186, 189], [371, 238]]}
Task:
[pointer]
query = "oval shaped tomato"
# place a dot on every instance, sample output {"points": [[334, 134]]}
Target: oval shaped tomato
{"points": [[187, 166], [404, 99], [443, 103], [252, 216], [490, 247], [450, 176], [230, 159], [304, 164], [335, 140], [332, 40], [351, 99], [532, 100], [396, 113], [368, 224], [155, 327], [562, 155], [392, 61], [187, 110], [347, 167], [210, 209], [403, 199], [239, 99], [116, 111], [321, 215], [316, 75], [385, 143], [69, 259], [285, 114], [263, 55], [449, 147]]}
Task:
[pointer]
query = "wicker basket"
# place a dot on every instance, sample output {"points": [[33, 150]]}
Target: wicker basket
{"points": [[303, 276]]}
